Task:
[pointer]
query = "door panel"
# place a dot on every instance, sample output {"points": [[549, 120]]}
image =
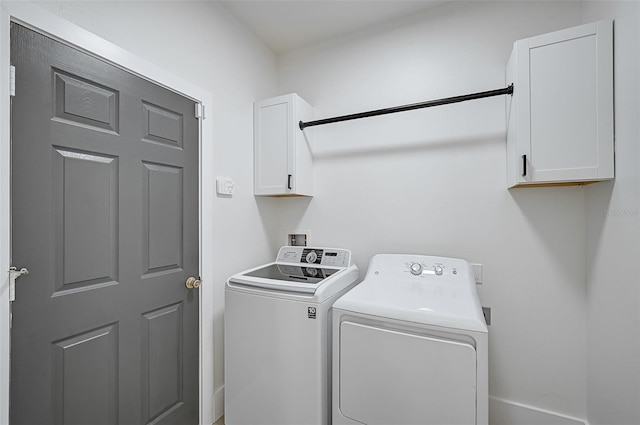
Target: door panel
{"points": [[162, 351], [85, 198], [162, 218], [85, 102], [93, 357], [105, 216], [162, 126]]}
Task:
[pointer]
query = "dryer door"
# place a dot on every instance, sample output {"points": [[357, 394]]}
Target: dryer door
{"points": [[393, 377]]}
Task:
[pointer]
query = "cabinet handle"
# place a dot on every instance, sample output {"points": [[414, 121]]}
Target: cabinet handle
{"points": [[289, 182], [524, 165]]}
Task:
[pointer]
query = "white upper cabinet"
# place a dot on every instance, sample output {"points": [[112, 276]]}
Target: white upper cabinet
{"points": [[282, 154], [560, 117]]}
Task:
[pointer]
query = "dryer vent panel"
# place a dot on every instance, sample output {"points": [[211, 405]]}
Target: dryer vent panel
{"points": [[487, 315]]}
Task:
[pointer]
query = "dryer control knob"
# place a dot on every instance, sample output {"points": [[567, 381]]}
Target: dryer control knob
{"points": [[438, 270], [416, 269]]}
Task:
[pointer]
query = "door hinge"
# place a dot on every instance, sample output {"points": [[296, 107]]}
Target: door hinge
{"points": [[200, 111], [14, 273], [12, 81]]}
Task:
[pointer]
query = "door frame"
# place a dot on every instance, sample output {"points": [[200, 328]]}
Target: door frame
{"points": [[62, 30]]}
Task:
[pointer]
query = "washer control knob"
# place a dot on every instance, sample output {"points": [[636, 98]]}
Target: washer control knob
{"points": [[438, 270], [415, 269], [311, 257]]}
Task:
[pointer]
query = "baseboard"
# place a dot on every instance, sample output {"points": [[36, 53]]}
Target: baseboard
{"points": [[501, 412], [218, 400], [505, 412]]}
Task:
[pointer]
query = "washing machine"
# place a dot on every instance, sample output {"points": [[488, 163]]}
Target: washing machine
{"points": [[410, 345], [277, 337]]}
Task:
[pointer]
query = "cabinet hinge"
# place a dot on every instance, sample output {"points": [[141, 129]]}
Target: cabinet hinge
{"points": [[12, 81], [200, 111]]}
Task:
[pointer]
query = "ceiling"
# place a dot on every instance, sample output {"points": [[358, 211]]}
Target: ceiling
{"points": [[289, 24]]}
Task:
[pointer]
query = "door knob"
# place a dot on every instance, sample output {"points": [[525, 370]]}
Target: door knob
{"points": [[192, 282]]}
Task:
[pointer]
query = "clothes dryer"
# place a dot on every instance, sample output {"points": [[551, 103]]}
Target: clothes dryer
{"points": [[410, 345], [277, 337]]}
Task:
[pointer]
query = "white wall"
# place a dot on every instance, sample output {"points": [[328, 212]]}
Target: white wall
{"points": [[613, 241], [201, 42], [433, 182]]}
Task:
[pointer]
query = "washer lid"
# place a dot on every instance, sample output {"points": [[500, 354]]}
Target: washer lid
{"points": [[286, 277], [317, 272], [392, 289]]}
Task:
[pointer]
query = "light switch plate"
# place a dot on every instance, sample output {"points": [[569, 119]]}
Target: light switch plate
{"points": [[224, 186]]}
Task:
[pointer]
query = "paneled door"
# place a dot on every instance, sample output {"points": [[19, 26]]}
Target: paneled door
{"points": [[105, 218]]}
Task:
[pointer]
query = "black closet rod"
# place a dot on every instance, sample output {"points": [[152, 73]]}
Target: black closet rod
{"points": [[427, 104]]}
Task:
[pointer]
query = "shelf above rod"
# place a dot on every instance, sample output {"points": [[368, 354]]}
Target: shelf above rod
{"points": [[427, 104]]}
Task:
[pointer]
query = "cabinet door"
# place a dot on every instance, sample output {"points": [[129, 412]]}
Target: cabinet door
{"points": [[564, 96], [273, 138]]}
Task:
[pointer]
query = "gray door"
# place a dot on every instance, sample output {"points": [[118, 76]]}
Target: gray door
{"points": [[105, 217]]}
